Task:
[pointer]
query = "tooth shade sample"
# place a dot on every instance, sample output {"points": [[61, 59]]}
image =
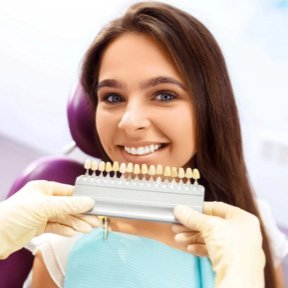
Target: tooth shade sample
{"points": [[159, 169], [174, 172], [94, 166], [167, 171], [108, 167], [189, 173], [144, 169], [129, 168], [101, 166], [87, 164], [136, 169], [122, 168], [181, 173], [196, 174], [152, 170], [115, 166]]}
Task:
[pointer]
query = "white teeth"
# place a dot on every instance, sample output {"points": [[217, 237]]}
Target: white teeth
{"points": [[133, 150], [146, 149], [142, 150]]}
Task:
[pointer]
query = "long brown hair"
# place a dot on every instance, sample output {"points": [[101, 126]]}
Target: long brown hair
{"points": [[199, 59]]}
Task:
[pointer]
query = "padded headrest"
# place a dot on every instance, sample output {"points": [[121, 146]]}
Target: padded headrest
{"points": [[60, 169], [81, 119]]}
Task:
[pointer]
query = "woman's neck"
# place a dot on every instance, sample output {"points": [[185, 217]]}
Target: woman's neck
{"points": [[155, 230]]}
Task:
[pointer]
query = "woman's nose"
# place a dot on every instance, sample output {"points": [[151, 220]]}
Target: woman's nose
{"points": [[134, 119]]}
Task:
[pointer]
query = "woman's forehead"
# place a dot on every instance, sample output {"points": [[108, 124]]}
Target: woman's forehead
{"points": [[137, 54]]}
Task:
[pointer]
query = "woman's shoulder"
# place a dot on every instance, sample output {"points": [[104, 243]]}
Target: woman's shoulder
{"points": [[54, 251]]}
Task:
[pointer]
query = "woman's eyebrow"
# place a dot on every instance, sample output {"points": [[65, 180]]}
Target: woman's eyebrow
{"points": [[160, 80], [109, 83], [112, 83]]}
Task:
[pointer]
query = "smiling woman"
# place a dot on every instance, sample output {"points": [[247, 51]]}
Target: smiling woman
{"points": [[162, 95], [139, 91]]}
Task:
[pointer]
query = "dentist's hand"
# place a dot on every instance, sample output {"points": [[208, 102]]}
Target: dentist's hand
{"points": [[231, 238], [42, 206]]}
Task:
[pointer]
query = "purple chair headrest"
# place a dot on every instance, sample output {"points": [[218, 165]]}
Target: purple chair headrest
{"points": [[81, 119], [59, 169]]}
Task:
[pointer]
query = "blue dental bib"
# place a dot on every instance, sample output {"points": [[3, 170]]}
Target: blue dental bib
{"points": [[129, 261]]}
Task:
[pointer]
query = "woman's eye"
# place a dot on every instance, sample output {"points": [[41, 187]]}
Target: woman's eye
{"points": [[165, 96], [113, 98]]}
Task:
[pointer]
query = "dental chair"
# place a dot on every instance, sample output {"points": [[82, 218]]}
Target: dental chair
{"points": [[15, 269]]}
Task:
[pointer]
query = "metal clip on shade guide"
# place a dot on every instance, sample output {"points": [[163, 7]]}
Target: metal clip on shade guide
{"points": [[105, 226], [142, 192]]}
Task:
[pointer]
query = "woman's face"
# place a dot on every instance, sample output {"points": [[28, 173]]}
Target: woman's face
{"points": [[144, 113]]}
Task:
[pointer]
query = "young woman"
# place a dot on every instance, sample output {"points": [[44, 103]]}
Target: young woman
{"points": [[162, 95]]}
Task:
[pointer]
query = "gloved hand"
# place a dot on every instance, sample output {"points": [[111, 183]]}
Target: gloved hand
{"points": [[232, 239], [42, 206]]}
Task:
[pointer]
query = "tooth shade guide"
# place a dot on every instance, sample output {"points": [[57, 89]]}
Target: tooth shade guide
{"points": [[140, 198], [140, 172]]}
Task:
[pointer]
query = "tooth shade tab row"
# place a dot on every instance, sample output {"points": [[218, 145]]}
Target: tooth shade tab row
{"points": [[133, 170]]}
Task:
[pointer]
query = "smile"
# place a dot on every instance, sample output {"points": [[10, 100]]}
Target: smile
{"points": [[142, 150]]}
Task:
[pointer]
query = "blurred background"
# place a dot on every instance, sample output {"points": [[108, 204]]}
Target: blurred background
{"points": [[43, 42]]}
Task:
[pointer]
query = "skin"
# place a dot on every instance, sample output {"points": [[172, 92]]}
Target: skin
{"points": [[142, 101]]}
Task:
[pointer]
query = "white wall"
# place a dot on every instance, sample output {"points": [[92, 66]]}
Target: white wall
{"points": [[42, 43]]}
